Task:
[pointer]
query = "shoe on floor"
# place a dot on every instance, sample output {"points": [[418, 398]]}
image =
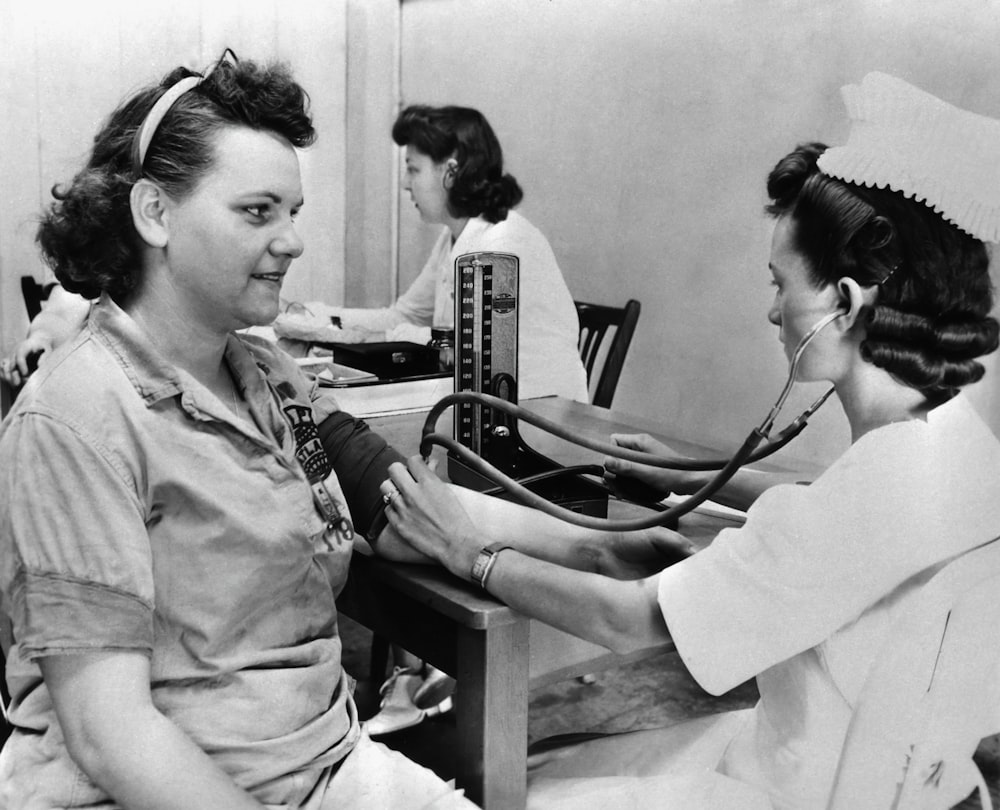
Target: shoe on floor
{"points": [[408, 698], [434, 694]]}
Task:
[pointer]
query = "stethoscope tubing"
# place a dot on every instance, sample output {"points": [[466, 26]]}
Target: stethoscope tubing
{"points": [[747, 453], [529, 498]]}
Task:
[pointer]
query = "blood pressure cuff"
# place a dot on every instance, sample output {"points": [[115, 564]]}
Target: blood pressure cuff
{"points": [[361, 460]]}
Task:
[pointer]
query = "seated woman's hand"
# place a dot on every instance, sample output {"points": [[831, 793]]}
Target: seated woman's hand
{"points": [[634, 481], [428, 515], [639, 554]]}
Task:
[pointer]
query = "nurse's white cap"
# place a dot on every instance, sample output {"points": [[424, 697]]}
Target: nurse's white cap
{"points": [[907, 140]]}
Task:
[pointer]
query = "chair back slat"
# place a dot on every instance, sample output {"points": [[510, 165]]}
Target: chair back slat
{"points": [[601, 358]]}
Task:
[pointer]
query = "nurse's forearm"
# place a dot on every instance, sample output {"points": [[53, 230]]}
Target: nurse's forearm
{"points": [[532, 532], [748, 485], [618, 614]]}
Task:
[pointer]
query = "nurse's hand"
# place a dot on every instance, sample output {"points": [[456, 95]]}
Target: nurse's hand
{"points": [[633, 481], [424, 511]]}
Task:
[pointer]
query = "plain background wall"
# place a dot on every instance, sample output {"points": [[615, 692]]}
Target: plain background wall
{"points": [[642, 133], [64, 67], [372, 175]]}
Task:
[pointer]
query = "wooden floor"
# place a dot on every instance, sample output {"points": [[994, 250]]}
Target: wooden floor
{"points": [[653, 693]]}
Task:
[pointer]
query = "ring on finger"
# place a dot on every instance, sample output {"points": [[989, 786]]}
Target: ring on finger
{"points": [[387, 497]]}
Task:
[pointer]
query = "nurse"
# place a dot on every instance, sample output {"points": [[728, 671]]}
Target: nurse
{"points": [[455, 178], [888, 233]]}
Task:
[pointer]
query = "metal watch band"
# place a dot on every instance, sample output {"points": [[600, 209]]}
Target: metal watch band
{"points": [[484, 563]]}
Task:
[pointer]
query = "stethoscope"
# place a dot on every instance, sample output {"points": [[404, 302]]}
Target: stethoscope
{"points": [[756, 446]]}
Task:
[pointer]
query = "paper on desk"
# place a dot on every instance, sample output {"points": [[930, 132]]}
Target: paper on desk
{"points": [[328, 371], [709, 508], [393, 397]]}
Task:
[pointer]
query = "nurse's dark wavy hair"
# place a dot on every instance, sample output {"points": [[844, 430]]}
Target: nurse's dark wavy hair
{"points": [[480, 186], [87, 235], [931, 317]]}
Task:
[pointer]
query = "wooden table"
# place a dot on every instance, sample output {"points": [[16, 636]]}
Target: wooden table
{"points": [[495, 653]]}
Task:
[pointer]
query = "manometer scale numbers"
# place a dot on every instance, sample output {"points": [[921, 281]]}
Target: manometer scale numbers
{"points": [[474, 357], [486, 340]]}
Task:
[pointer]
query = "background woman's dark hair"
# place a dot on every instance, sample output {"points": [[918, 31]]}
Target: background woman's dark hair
{"points": [[931, 318], [480, 186], [87, 235]]}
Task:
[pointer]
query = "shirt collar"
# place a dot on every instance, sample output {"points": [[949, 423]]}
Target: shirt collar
{"points": [[153, 376]]}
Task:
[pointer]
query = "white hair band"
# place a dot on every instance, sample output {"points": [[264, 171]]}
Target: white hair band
{"points": [[155, 115]]}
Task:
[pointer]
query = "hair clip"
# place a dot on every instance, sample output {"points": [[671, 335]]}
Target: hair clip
{"points": [[888, 275]]}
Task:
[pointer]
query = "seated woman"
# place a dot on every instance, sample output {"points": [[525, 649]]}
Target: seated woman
{"points": [[885, 236], [174, 521], [454, 174]]}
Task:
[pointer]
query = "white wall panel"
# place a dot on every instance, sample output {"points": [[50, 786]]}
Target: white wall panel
{"points": [[642, 133], [64, 67]]}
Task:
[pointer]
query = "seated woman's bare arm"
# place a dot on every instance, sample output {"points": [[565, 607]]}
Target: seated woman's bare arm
{"points": [[117, 737]]}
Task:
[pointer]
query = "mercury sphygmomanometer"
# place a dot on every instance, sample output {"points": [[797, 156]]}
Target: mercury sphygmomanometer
{"points": [[487, 318], [487, 452]]}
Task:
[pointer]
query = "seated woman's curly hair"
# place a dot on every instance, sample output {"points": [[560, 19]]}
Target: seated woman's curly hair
{"points": [[931, 317], [480, 187], [87, 235]]}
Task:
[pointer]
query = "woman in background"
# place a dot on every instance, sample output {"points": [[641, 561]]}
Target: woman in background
{"points": [[454, 174], [883, 240], [177, 502], [62, 315]]}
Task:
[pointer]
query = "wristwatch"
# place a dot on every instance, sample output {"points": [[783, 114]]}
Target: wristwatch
{"points": [[484, 563]]}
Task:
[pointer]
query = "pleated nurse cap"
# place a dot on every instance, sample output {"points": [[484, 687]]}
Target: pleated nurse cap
{"points": [[905, 139]]}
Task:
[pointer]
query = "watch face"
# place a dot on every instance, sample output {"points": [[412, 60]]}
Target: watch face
{"points": [[479, 566]]}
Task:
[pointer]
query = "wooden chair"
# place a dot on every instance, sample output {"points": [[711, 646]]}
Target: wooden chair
{"points": [[931, 696], [604, 360], [7, 395]]}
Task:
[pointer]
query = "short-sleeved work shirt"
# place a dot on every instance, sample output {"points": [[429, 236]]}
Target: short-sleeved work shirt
{"points": [[804, 595], [137, 512]]}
